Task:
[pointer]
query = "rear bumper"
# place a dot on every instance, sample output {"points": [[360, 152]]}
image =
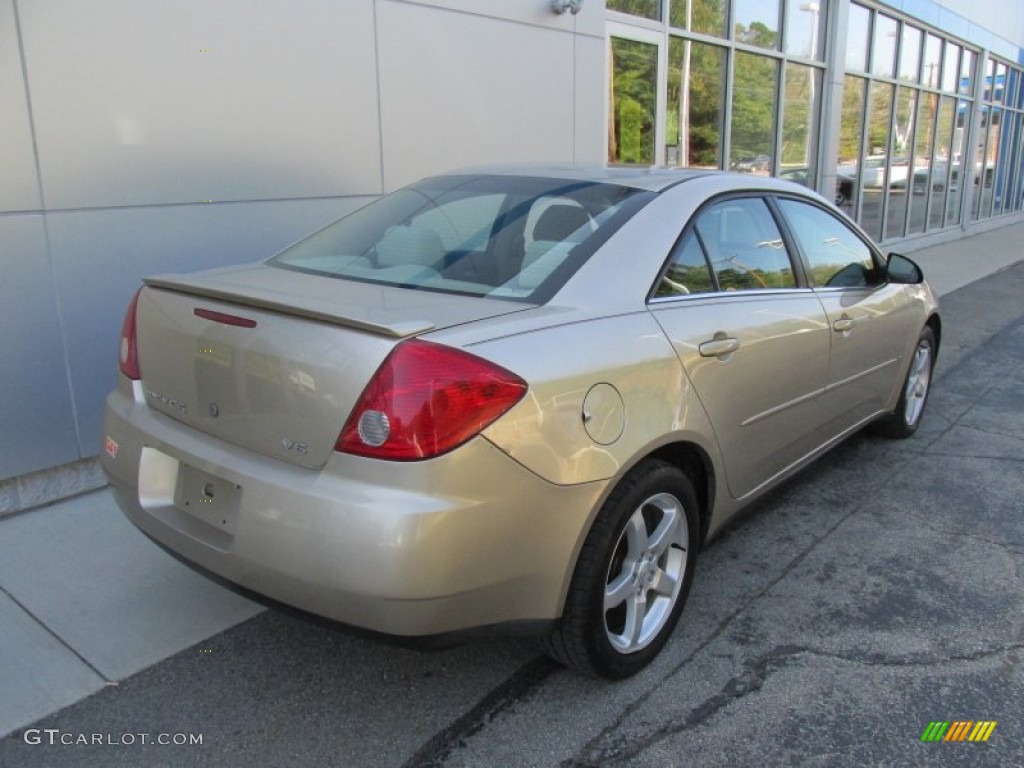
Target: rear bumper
{"points": [[465, 540]]}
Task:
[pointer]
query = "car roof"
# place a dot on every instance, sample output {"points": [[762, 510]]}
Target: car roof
{"points": [[653, 178]]}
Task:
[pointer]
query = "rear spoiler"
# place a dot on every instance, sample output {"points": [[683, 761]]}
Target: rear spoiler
{"points": [[263, 298]]}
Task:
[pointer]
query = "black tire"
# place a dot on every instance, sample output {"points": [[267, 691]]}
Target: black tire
{"points": [[652, 575], [904, 421]]}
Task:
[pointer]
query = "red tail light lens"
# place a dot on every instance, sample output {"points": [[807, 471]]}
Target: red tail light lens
{"points": [[425, 400], [128, 356]]}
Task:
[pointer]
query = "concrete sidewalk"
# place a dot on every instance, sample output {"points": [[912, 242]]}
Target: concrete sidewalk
{"points": [[86, 600]]}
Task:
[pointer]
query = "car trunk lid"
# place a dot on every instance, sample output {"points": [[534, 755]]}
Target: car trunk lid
{"points": [[274, 360]]}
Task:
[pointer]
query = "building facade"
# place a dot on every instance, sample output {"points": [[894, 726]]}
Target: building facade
{"points": [[141, 137]]}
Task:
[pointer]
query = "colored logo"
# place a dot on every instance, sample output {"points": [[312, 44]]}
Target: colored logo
{"points": [[958, 730]]}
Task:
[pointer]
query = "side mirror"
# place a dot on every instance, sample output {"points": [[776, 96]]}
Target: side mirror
{"points": [[899, 269]]}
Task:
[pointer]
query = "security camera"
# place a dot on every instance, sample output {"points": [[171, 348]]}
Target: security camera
{"points": [[561, 6]]}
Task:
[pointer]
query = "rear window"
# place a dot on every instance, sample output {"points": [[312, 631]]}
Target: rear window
{"points": [[499, 236]]}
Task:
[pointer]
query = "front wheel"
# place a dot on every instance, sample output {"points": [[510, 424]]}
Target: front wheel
{"points": [[633, 575], [904, 421]]}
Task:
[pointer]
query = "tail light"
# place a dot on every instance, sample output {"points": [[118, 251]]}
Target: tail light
{"points": [[425, 400], [128, 356]]}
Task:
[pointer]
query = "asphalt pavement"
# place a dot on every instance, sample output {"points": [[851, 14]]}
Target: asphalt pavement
{"points": [[878, 592]]}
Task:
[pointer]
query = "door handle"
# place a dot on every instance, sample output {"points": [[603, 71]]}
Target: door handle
{"points": [[842, 324], [718, 347]]}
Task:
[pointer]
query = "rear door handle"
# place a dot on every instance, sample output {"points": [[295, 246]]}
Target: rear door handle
{"points": [[719, 347], [842, 324]]}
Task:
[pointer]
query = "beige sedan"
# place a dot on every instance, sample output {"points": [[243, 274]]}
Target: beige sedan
{"points": [[511, 400]]}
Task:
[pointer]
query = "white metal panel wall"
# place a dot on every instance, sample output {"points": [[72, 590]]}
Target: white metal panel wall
{"points": [[140, 103], [461, 89], [19, 188], [36, 419], [144, 110]]}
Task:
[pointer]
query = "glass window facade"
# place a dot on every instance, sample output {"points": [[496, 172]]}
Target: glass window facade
{"points": [[929, 130], [633, 102], [695, 115]]}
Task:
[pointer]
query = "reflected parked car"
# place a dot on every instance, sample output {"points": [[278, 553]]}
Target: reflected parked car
{"points": [[873, 174], [845, 185], [519, 399], [752, 163], [939, 174]]}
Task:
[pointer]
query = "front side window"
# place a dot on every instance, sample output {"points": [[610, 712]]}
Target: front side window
{"points": [[744, 246], [836, 256]]}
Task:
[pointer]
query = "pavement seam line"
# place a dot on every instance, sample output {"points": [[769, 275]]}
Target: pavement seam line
{"points": [[753, 678], [518, 685], [55, 636]]}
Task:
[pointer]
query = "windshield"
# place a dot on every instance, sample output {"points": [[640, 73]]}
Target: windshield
{"points": [[498, 236]]}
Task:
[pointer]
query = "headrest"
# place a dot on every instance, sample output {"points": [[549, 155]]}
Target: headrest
{"points": [[409, 245], [560, 221]]}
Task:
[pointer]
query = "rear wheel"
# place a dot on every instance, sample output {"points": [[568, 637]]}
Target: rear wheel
{"points": [[904, 421], [633, 575]]}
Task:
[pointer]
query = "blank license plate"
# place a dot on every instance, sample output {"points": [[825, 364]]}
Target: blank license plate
{"points": [[212, 499]]}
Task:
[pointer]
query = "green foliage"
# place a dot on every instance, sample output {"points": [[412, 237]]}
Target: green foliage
{"points": [[706, 105], [706, 16], [755, 94], [797, 130], [649, 9], [634, 65], [853, 113]]}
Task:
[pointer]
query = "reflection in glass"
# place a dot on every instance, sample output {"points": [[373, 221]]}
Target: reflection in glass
{"points": [[932, 53], [999, 84], [695, 117], [756, 22], [835, 255], [857, 31], [632, 112], [688, 270], [883, 53], [910, 53], [978, 152], [805, 20], [990, 72], [874, 177], [949, 134], [704, 16], [850, 137], [755, 94], [1012, 81], [1005, 166], [1017, 186], [984, 189], [928, 170], [900, 160], [800, 115], [950, 68], [967, 73], [649, 9]]}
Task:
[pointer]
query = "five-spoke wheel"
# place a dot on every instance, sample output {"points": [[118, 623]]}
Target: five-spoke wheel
{"points": [[633, 574], [903, 422]]}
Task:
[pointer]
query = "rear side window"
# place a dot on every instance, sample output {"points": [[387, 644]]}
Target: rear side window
{"points": [[836, 257], [688, 270], [744, 246]]}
